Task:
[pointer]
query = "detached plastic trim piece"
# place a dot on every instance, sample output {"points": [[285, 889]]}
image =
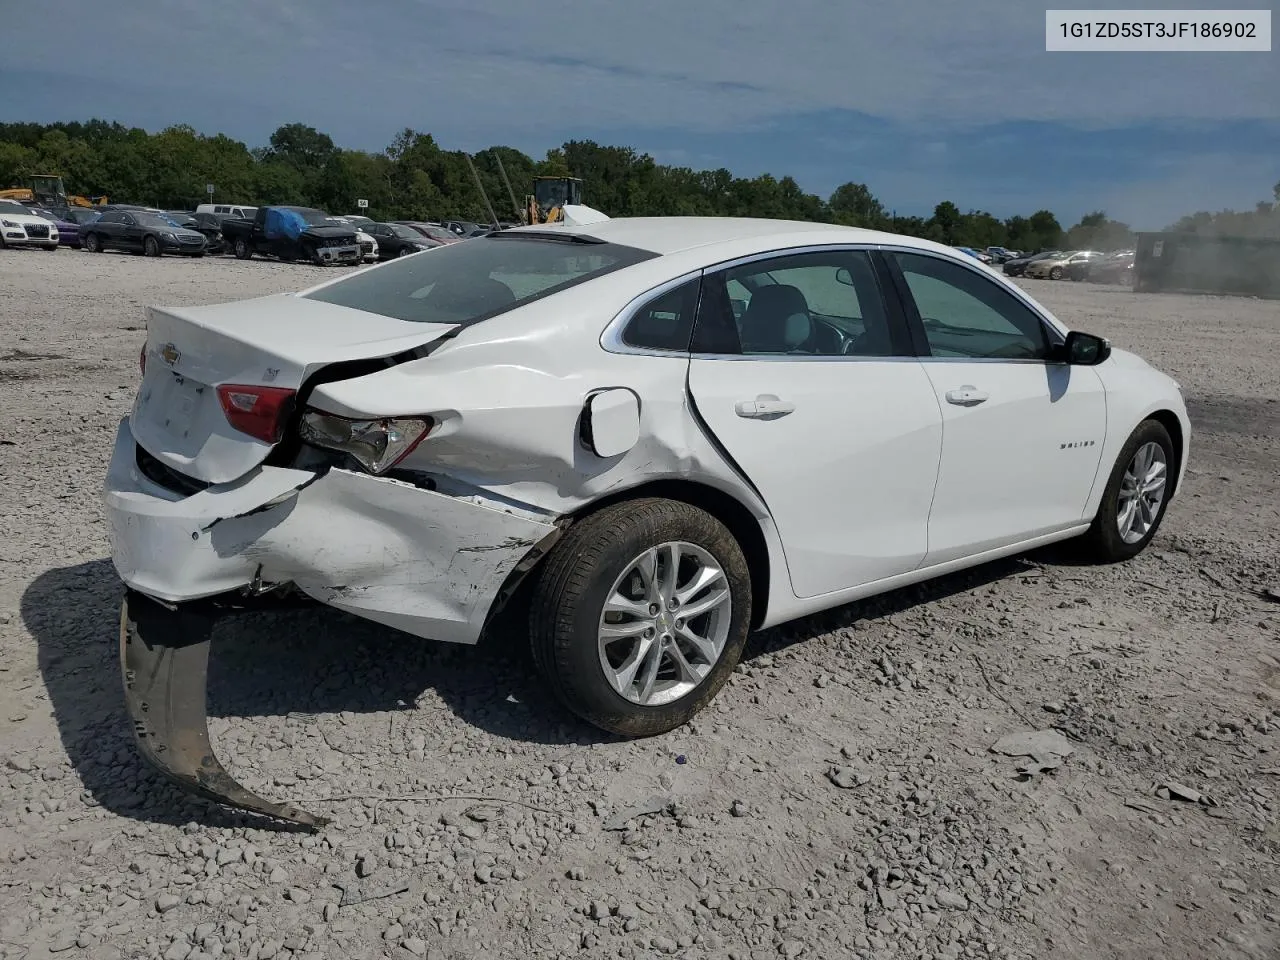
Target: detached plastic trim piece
{"points": [[164, 660]]}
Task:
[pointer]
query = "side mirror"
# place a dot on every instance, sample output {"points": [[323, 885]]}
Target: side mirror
{"points": [[1085, 349]]}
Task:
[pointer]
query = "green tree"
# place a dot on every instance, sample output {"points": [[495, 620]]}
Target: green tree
{"points": [[1096, 232], [1046, 230], [853, 205], [17, 164]]}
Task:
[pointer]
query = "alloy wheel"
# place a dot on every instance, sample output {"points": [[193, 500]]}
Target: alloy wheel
{"points": [[665, 623], [1142, 490]]}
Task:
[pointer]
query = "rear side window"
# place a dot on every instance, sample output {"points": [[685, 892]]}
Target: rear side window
{"points": [[464, 283], [666, 321]]}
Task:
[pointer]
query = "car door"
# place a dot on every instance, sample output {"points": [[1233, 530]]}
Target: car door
{"points": [[810, 387], [129, 233], [1022, 433], [111, 229]]}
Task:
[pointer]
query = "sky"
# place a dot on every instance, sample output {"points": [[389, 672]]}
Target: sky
{"points": [[922, 101]]}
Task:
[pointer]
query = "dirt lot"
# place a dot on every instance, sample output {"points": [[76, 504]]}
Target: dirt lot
{"points": [[840, 799]]}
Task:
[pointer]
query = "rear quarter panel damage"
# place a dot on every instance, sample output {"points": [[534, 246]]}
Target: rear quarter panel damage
{"points": [[508, 396], [414, 559]]}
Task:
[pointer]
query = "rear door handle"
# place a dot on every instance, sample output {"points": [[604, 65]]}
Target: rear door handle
{"points": [[764, 407], [966, 396]]}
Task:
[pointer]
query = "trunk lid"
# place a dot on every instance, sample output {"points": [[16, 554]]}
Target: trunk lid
{"points": [[276, 341]]}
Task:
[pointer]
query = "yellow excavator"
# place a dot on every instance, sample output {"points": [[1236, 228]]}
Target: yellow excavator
{"points": [[550, 195], [48, 191]]}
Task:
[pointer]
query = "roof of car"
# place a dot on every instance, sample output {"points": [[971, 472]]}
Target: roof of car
{"points": [[665, 235]]}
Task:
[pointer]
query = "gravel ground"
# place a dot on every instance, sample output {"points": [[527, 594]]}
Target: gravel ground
{"points": [[840, 798]]}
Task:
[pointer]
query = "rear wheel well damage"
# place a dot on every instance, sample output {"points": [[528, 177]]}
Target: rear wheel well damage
{"points": [[745, 528]]}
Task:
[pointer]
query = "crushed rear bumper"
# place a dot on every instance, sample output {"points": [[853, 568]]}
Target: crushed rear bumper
{"points": [[429, 564], [423, 562]]}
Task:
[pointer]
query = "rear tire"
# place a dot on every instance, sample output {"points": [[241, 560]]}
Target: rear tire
{"points": [[1105, 542], [600, 558]]}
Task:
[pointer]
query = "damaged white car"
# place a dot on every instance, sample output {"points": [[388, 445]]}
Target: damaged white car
{"points": [[669, 431]]}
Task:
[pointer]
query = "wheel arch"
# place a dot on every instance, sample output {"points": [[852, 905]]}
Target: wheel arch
{"points": [[726, 508], [1169, 420]]}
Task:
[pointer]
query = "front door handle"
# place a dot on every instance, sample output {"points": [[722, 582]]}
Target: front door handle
{"points": [[966, 396], [764, 407]]}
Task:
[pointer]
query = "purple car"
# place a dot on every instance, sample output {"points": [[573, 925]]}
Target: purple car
{"points": [[69, 223]]}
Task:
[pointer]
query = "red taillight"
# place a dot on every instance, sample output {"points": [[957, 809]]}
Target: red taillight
{"points": [[260, 412], [142, 360]]}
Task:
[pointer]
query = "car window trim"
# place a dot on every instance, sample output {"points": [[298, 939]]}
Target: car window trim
{"points": [[1053, 336], [899, 308], [611, 337]]}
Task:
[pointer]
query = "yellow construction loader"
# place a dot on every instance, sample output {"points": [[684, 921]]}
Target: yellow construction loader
{"points": [[550, 195], [48, 191]]}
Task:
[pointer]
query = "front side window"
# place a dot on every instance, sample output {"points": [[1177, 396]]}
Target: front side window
{"points": [[464, 283], [666, 321], [968, 315], [825, 303]]}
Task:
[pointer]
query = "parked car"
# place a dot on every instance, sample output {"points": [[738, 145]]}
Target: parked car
{"points": [[397, 240], [1016, 266], [82, 215], [68, 230], [432, 231], [1001, 254], [464, 228], [206, 224], [358, 218], [20, 226], [238, 211], [1117, 268], [368, 243], [1056, 268], [543, 420], [976, 254], [293, 233], [141, 231]]}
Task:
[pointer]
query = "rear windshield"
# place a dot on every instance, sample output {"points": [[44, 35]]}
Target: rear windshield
{"points": [[464, 283]]}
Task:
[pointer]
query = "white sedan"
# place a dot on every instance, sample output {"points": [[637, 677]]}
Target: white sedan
{"points": [[20, 226], [653, 435]]}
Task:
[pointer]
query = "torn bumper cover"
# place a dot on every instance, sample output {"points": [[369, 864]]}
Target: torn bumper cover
{"points": [[164, 656], [425, 563]]}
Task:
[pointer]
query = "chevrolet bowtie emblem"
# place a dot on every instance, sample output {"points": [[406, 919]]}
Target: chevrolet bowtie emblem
{"points": [[170, 354]]}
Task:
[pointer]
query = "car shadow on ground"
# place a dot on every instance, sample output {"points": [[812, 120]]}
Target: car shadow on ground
{"points": [[316, 660]]}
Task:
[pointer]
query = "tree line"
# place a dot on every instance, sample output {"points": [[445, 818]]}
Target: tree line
{"points": [[416, 178]]}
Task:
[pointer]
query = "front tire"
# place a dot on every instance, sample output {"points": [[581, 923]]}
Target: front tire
{"points": [[608, 621], [242, 249], [1055, 273], [1136, 496], [92, 243], [151, 247]]}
